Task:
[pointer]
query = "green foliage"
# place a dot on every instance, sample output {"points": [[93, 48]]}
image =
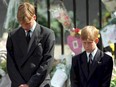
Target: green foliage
{"points": [[3, 65], [113, 83], [12, 25], [42, 19], [3, 69], [55, 26]]}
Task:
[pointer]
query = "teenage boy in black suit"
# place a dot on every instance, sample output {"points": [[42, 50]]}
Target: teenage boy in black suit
{"points": [[30, 51], [91, 68]]}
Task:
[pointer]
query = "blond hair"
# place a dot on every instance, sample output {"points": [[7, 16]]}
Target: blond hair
{"points": [[25, 12], [89, 33]]}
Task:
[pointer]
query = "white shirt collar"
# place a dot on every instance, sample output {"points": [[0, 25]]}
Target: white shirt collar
{"points": [[93, 54], [33, 27]]}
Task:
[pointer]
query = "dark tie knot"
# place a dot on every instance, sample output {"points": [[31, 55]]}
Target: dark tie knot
{"points": [[28, 36], [28, 32]]}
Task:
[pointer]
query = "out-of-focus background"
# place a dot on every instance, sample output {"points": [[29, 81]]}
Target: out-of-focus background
{"points": [[100, 13]]}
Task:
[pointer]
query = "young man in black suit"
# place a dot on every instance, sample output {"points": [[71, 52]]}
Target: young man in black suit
{"points": [[30, 51], [91, 68]]}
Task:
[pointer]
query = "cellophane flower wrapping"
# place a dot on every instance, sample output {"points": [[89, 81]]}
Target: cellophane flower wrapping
{"points": [[59, 12]]}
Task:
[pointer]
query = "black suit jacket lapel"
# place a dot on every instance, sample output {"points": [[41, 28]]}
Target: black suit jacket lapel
{"points": [[35, 35], [96, 61], [84, 64], [21, 39], [35, 39]]}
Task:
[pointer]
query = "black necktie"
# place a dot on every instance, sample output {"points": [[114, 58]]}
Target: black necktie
{"points": [[90, 58], [90, 63], [28, 36]]}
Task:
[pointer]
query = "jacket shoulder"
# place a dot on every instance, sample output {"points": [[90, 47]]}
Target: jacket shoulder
{"points": [[45, 29], [14, 32], [77, 57]]}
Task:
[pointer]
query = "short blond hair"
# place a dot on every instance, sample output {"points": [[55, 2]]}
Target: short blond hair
{"points": [[89, 33], [25, 12]]}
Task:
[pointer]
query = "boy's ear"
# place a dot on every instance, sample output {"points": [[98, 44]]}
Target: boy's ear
{"points": [[96, 40], [34, 17]]}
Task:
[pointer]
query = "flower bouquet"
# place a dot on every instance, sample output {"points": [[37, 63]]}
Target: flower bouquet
{"points": [[4, 78], [74, 41], [59, 12], [3, 70], [62, 70], [76, 32]]}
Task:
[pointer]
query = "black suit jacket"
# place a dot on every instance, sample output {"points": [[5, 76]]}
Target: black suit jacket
{"points": [[30, 64], [100, 74]]}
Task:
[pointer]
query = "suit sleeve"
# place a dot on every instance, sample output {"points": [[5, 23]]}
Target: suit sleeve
{"points": [[11, 64], [107, 72], [74, 74], [46, 63]]}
